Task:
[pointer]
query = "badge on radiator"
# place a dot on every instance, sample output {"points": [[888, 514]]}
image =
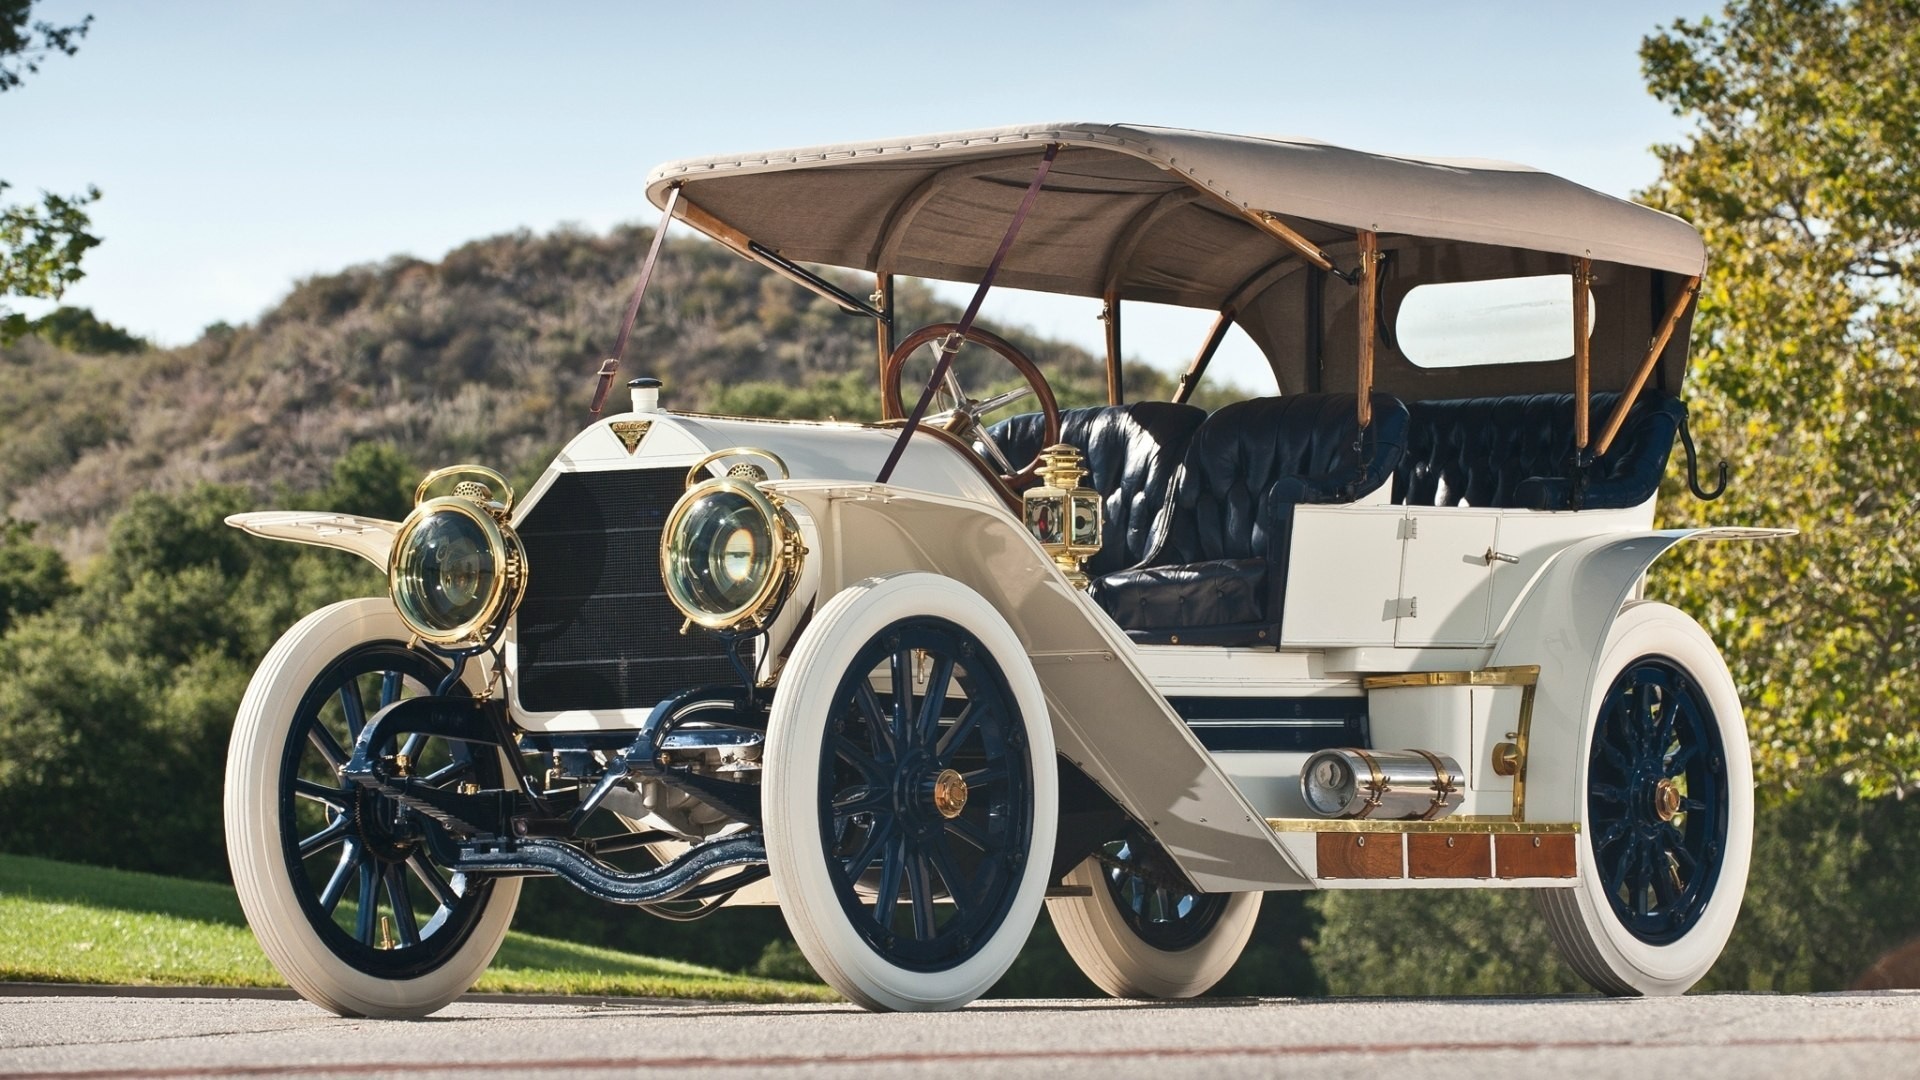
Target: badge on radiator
{"points": [[630, 432]]}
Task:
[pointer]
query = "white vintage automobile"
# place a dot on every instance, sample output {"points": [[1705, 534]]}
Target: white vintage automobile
{"points": [[1144, 663]]}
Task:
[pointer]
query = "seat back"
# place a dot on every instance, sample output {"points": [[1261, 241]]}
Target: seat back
{"points": [[1252, 461], [1132, 452], [1517, 452]]}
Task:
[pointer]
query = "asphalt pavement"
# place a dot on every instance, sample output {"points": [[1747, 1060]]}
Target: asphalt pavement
{"points": [[1725, 1035]]}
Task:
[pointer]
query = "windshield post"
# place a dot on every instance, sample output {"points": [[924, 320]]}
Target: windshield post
{"points": [[1221, 324], [882, 299], [1369, 251], [1110, 315], [1582, 358]]}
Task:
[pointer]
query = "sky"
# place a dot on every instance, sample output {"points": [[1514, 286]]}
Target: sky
{"points": [[242, 147]]}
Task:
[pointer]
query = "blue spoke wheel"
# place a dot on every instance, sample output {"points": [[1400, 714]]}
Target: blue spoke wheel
{"points": [[910, 793], [358, 859], [336, 880], [1657, 800], [1666, 811], [1142, 929]]}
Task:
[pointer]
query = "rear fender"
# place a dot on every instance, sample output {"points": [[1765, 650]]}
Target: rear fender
{"points": [[1561, 624]]}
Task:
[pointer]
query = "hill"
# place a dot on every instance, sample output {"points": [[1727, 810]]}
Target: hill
{"points": [[487, 355]]}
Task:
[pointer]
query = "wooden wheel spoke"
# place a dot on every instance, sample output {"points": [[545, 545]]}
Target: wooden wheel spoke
{"points": [[404, 927], [893, 866], [920, 892], [369, 904], [870, 770], [900, 665], [870, 848], [968, 833], [390, 685], [879, 728], [935, 702], [956, 736], [324, 744], [356, 713], [336, 886], [441, 889], [333, 798], [335, 831]]}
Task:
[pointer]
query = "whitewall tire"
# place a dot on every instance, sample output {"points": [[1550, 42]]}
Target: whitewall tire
{"points": [[1142, 931], [910, 793], [334, 881], [1666, 812]]}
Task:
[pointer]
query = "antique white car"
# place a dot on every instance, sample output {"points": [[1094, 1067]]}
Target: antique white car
{"points": [[1142, 662]]}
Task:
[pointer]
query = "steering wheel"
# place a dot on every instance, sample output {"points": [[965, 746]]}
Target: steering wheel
{"points": [[964, 417]]}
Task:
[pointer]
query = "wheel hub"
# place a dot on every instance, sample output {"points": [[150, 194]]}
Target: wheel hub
{"points": [[1666, 799], [949, 793]]}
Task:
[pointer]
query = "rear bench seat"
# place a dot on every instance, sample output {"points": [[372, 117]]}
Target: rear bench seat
{"points": [[1517, 452], [1219, 575]]}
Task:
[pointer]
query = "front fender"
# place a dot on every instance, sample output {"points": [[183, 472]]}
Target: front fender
{"points": [[1562, 624], [369, 538], [1108, 719]]}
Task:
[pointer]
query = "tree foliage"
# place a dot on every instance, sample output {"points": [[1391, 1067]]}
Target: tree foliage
{"points": [[1799, 168], [40, 244]]}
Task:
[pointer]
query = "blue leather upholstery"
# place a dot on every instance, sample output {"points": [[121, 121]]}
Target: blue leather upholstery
{"points": [[1220, 576], [1518, 452], [1132, 453]]}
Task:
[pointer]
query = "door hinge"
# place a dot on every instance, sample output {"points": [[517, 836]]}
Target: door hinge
{"points": [[1409, 528], [1406, 607]]}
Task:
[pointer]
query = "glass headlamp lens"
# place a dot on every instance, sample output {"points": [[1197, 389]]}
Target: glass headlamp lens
{"points": [[445, 576]]}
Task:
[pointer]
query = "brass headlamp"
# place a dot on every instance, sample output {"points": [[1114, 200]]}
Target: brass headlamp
{"points": [[1061, 514], [458, 569]]}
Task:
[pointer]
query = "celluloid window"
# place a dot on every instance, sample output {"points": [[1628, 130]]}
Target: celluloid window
{"points": [[1521, 320]]}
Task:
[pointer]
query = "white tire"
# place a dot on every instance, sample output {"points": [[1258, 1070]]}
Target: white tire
{"points": [[1666, 821], [436, 954], [1141, 933], [875, 816]]}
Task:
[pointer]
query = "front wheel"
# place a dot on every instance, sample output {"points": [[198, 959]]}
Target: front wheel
{"points": [[910, 794], [1143, 930], [1667, 821], [335, 880]]}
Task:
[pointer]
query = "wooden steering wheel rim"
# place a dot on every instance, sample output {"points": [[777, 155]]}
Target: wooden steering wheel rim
{"points": [[892, 406]]}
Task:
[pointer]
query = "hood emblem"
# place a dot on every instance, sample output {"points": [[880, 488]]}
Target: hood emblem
{"points": [[630, 432]]}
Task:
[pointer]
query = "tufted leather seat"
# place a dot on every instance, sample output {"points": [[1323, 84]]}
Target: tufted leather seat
{"points": [[1220, 575], [1132, 452], [1517, 452]]}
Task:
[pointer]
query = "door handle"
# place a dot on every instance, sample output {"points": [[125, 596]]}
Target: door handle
{"points": [[1493, 556]]}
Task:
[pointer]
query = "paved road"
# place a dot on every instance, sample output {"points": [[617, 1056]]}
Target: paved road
{"points": [[1738, 1035]]}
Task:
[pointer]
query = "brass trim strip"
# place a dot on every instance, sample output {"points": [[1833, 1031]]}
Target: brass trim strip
{"points": [[1518, 675], [1679, 308], [1525, 676], [1464, 826]]}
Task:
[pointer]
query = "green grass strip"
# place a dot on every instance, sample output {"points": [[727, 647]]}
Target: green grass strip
{"points": [[63, 922]]}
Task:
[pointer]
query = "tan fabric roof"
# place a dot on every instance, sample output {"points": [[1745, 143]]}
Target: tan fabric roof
{"points": [[1156, 212]]}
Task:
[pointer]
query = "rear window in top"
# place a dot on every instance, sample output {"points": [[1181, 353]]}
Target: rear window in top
{"points": [[1520, 320]]}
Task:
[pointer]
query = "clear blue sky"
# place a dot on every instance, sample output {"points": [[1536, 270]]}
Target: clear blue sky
{"points": [[244, 146]]}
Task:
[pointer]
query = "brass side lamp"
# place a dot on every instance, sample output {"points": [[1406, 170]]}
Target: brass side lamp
{"points": [[1061, 514]]}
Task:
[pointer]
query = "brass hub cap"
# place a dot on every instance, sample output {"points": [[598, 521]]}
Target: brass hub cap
{"points": [[949, 793], [1666, 799]]}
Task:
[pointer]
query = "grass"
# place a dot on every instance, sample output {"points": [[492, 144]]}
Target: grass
{"points": [[62, 922]]}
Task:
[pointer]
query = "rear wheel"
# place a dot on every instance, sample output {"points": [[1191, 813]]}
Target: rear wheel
{"points": [[1143, 930], [335, 880], [1667, 822], [910, 794]]}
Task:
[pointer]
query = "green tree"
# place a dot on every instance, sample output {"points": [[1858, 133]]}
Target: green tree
{"points": [[32, 576], [1799, 169], [40, 245]]}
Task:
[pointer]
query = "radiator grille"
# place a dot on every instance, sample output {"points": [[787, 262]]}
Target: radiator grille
{"points": [[596, 630]]}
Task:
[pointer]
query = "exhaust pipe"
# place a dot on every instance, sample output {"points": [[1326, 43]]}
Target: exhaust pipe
{"points": [[1385, 785]]}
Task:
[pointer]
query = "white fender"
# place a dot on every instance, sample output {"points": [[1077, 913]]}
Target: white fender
{"points": [[1562, 624], [369, 538]]}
